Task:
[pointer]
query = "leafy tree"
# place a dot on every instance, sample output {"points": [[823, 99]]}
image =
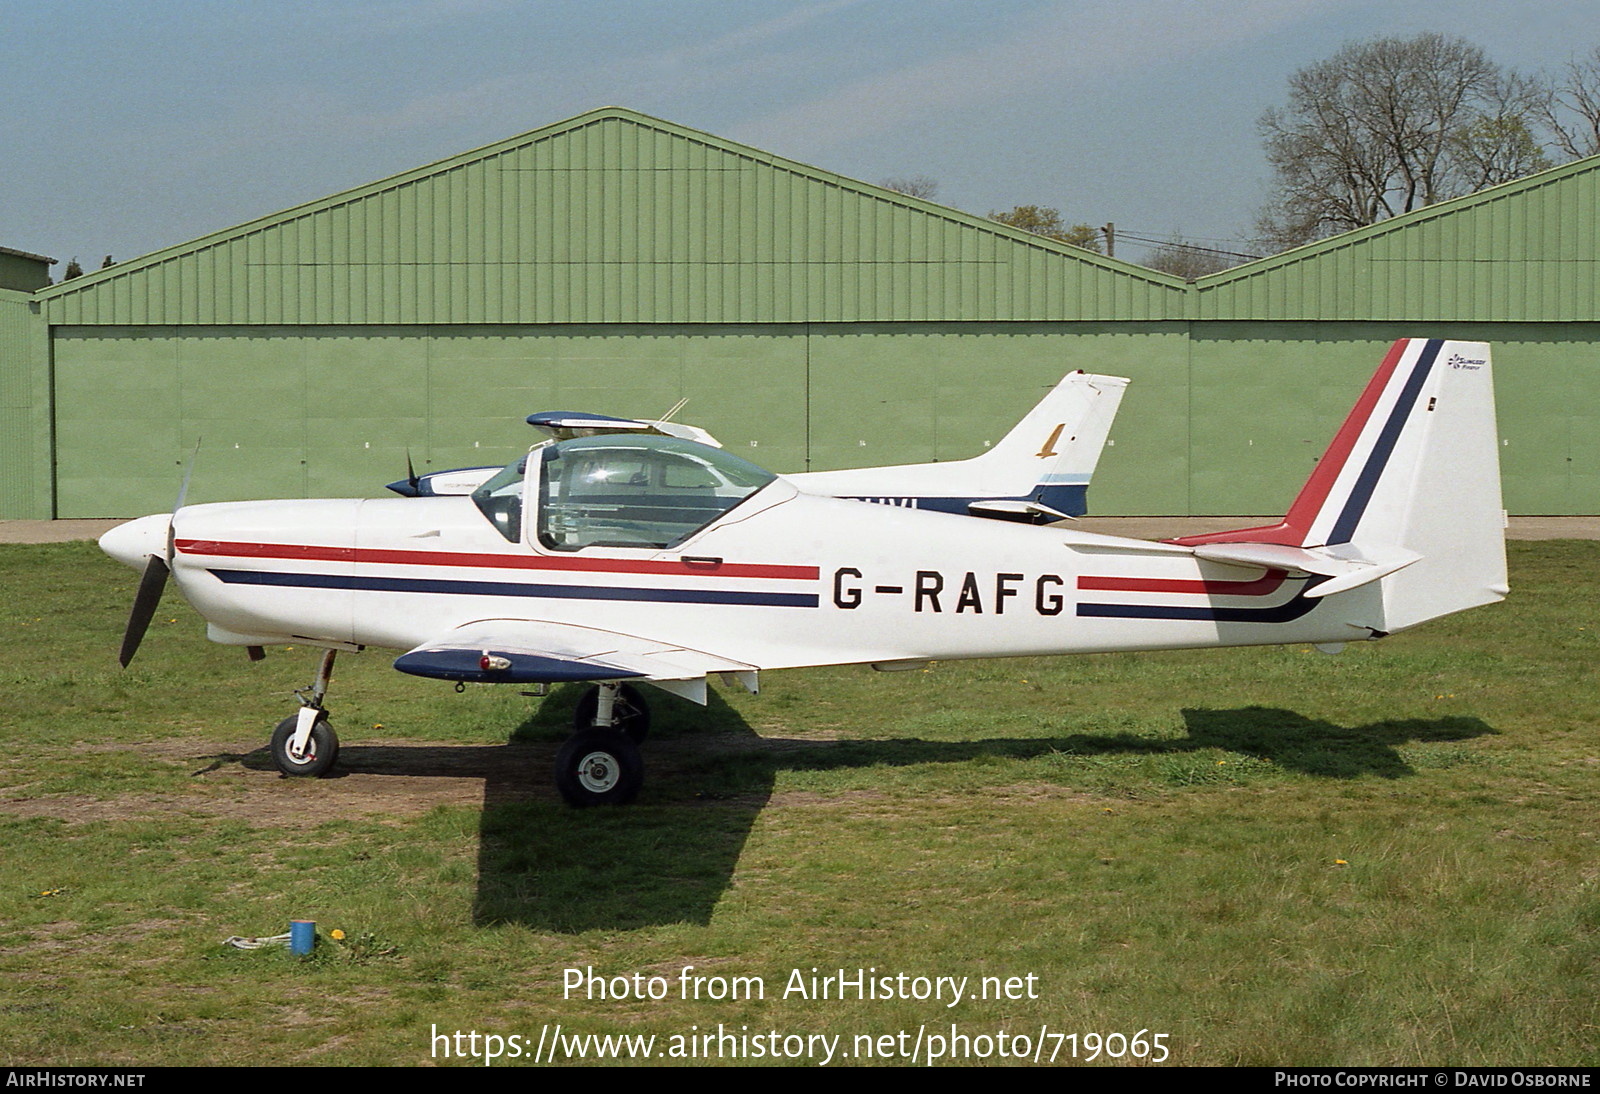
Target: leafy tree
{"points": [[73, 270], [1390, 125], [1042, 220]]}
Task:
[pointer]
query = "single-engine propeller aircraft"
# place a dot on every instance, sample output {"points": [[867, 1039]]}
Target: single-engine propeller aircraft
{"points": [[1038, 473], [620, 559]]}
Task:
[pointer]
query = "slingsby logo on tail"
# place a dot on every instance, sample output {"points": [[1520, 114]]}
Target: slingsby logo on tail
{"points": [[622, 559]]}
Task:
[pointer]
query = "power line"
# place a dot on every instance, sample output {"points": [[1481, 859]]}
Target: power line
{"points": [[1124, 234], [1121, 234]]}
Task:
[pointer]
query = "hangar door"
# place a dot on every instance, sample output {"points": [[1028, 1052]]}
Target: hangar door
{"points": [[332, 412]]}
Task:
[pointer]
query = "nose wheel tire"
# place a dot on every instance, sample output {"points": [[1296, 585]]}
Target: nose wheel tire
{"points": [[599, 767], [322, 749], [632, 713]]}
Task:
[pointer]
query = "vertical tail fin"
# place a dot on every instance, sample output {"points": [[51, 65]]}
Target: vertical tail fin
{"points": [[1409, 491], [1053, 450]]}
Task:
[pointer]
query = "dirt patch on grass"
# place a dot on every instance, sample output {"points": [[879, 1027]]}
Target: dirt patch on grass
{"points": [[373, 780], [399, 780]]}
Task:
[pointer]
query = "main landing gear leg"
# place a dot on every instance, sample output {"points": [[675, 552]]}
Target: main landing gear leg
{"points": [[304, 744], [618, 705], [600, 763]]}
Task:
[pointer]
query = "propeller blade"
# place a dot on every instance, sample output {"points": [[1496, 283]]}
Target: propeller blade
{"points": [[411, 473], [144, 607], [188, 473]]}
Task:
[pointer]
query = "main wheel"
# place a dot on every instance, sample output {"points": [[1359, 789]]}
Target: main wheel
{"points": [[599, 767], [632, 713], [322, 748]]}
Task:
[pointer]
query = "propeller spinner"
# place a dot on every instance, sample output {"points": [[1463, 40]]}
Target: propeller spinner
{"points": [[145, 544]]}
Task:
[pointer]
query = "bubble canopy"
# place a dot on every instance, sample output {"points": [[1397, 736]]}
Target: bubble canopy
{"points": [[620, 491]]}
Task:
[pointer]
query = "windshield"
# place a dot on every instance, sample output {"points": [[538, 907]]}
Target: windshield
{"points": [[500, 499], [648, 492]]}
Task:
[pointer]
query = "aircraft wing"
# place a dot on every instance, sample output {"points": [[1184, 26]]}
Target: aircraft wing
{"points": [[527, 651], [562, 425]]}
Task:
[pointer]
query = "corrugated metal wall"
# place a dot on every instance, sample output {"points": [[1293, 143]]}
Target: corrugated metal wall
{"points": [[1268, 396], [295, 411], [24, 420]]}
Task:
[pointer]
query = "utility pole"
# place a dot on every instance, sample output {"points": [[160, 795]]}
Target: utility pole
{"points": [[1110, 231]]}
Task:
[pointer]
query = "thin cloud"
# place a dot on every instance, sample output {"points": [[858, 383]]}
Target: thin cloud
{"points": [[1080, 46]]}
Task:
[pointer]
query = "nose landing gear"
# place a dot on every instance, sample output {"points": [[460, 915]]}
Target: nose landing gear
{"points": [[304, 745]]}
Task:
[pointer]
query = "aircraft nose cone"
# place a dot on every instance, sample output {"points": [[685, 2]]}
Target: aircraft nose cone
{"points": [[133, 543]]}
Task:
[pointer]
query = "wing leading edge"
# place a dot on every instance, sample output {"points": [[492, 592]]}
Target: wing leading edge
{"points": [[525, 651]]}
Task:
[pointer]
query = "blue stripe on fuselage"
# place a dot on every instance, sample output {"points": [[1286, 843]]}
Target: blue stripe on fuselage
{"points": [[1073, 500], [1300, 604], [514, 588]]}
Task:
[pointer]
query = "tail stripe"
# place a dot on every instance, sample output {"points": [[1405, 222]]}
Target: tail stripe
{"points": [[1361, 493], [1303, 513]]}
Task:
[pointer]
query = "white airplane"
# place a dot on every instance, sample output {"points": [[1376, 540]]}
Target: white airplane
{"points": [[617, 559], [1039, 472]]}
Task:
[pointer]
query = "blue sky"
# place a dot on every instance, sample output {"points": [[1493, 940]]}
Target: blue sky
{"points": [[128, 127]]}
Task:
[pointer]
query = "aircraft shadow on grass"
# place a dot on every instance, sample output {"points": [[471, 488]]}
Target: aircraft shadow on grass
{"points": [[671, 858]]}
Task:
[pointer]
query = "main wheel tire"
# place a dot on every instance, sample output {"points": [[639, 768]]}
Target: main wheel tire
{"points": [[322, 749], [632, 713], [599, 767]]}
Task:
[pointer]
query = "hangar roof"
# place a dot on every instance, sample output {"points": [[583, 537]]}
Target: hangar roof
{"points": [[1523, 251], [616, 217]]}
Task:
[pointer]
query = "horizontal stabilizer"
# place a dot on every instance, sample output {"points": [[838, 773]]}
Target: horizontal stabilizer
{"points": [[1347, 566]]}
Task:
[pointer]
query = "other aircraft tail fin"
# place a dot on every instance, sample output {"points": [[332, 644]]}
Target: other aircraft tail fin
{"points": [[1408, 492], [1039, 470], [1053, 450]]}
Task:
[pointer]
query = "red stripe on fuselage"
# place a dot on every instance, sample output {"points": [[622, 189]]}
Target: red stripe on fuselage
{"points": [[1261, 586], [302, 552], [1296, 527]]}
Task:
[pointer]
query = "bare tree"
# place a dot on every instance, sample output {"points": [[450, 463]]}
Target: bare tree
{"points": [[1571, 108], [1390, 125], [1042, 220], [917, 186], [1183, 259]]}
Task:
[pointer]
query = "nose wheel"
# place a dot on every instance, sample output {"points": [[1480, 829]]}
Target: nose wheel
{"points": [[304, 745], [311, 760]]}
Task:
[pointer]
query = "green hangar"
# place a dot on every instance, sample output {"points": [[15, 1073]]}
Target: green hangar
{"points": [[617, 263]]}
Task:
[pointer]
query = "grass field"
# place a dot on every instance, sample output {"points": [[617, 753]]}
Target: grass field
{"points": [[1266, 856]]}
